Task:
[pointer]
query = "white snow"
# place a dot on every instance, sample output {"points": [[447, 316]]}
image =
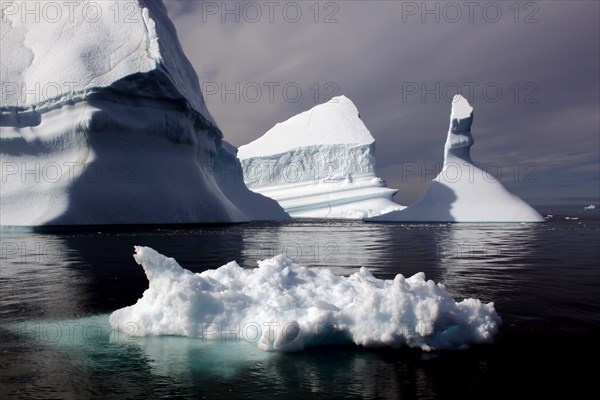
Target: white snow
{"points": [[462, 192], [335, 122], [319, 164], [103, 121], [79, 49], [590, 207], [282, 306], [461, 109]]}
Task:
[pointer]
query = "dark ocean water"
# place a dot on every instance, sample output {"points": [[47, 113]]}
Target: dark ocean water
{"points": [[57, 290]]}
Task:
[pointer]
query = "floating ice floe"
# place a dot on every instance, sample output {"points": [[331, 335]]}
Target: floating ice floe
{"points": [[283, 306]]}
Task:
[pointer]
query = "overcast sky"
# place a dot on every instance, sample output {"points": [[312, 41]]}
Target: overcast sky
{"points": [[530, 69]]}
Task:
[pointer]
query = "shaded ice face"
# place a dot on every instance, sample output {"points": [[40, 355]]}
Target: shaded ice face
{"points": [[460, 140]]}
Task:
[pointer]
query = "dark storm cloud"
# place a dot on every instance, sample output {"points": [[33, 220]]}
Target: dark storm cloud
{"points": [[544, 57]]}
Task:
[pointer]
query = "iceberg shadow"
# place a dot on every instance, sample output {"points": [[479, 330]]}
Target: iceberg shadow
{"points": [[13, 117], [137, 163], [434, 207]]}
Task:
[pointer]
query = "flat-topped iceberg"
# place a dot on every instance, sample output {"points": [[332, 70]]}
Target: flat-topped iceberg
{"points": [[462, 192], [319, 164], [283, 306], [102, 121]]}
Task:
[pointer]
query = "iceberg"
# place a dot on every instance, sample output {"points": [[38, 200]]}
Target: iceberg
{"points": [[319, 164], [102, 121], [462, 192], [227, 170], [283, 306]]}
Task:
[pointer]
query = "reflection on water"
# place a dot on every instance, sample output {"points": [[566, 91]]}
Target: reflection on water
{"points": [[84, 356], [36, 279], [472, 256], [344, 249], [543, 279]]}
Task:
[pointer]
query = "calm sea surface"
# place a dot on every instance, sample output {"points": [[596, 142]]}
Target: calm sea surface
{"points": [[57, 290]]}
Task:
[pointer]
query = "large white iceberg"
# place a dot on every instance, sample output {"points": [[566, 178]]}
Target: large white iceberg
{"points": [[282, 306], [319, 164], [462, 192], [102, 121]]}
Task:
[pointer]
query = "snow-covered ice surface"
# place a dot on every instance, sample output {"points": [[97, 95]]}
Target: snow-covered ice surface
{"points": [[462, 192], [102, 121], [282, 306], [319, 164]]}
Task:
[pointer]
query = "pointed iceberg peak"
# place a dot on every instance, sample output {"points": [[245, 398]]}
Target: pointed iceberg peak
{"points": [[460, 140], [461, 108], [462, 192]]}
